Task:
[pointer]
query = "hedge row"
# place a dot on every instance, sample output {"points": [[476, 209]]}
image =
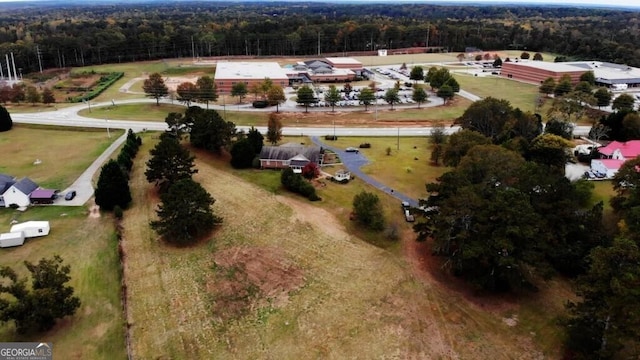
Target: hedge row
{"points": [[103, 84]]}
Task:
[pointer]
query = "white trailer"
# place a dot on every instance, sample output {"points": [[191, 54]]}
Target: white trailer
{"points": [[11, 239], [32, 228]]}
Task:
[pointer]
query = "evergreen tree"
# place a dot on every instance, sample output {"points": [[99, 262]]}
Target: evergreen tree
{"points": [[185, 213], [169, 162], [242, 154], [5, 120], [49, 299], [113, 187]]}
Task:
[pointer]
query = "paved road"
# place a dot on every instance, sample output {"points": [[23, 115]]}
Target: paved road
{"points": [[84, 184]]}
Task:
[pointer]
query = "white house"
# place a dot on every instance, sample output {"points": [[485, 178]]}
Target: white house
{"points": [[613, 156], [32, 228], [19, 192]]}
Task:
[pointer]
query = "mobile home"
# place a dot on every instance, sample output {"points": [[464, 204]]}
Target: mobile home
{"points": [[11, 239], [32, 228]]}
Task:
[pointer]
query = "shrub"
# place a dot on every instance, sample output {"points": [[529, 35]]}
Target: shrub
{"points": [[331, 137], [117, 212], [365, 146]]}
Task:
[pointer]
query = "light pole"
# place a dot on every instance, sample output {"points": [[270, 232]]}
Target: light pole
{"points": [[334, 129], [108, 131]]}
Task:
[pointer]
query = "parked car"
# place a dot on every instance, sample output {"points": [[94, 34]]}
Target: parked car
{"points": [[352, 149], [70, 195]]}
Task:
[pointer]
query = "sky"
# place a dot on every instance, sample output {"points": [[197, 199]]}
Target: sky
{"points": [[584, 3]]}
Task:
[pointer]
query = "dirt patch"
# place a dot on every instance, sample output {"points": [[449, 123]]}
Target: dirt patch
{"points": [[94, 211], [251, 277], [172, 82]]}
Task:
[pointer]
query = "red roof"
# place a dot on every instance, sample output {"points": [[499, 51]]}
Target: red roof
{"points": [[629, 149], [612, 164]]}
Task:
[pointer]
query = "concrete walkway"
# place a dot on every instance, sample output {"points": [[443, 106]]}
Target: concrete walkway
{"points": [[354, 161]]}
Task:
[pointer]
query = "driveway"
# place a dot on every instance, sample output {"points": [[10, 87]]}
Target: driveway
{"points": [[84, 184], [354, 161]]}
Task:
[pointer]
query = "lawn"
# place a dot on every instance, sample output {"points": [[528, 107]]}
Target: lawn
{"points": [[517, 93], [89, 246], [407, 169], [138, 112], [63, 153]]}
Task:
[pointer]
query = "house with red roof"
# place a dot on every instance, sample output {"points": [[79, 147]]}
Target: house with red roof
{"points": [[613, 156]]}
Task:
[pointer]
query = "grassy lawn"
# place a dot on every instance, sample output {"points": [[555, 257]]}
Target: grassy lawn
{"points": [[518, 94], [407, 169], [89, 246], [64, 153], [138, 112]]}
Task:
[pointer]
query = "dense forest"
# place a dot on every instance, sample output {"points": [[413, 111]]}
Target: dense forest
{"points": [[44, 35]]}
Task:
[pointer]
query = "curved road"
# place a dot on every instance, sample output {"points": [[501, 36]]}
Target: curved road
{"points": [[84, 187]]}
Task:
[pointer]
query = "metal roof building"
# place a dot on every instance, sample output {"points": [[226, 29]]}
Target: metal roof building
{"points": [[229, 73]]}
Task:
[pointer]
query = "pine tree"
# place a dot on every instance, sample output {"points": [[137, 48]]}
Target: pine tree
{"points": [[113, 187]]}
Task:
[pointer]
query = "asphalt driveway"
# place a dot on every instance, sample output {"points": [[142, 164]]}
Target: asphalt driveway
{"points": [[354, 161]]}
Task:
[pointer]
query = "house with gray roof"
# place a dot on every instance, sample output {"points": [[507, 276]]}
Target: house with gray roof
{"points": [[6, 182], [19, 193], [290, 155]]}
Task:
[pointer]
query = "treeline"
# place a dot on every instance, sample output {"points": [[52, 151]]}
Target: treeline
{"points": [[505, 217], [64, 35]]}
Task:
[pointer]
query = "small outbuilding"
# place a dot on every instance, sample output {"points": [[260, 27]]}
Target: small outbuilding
{"points": [[11, 239], [32, 228], [43, 196]]}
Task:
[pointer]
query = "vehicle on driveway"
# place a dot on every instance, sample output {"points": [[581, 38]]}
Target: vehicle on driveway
{"points": [[407, 214], [70, 195], [352, 149]]}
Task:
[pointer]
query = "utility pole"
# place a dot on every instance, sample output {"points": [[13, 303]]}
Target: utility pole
{"points": [[427, 42], [15, 74], [8, 66], [398, 143], [193, 49], [40, 57], [318, 43]]}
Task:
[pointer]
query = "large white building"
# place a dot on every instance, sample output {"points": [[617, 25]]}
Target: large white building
{"points": [[249, 72]]}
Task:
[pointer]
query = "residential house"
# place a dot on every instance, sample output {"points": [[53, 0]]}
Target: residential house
{"points": [[613, 156], [294, 156], [19, 193], [6, 182]]}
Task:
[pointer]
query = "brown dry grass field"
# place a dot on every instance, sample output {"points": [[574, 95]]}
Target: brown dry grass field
{"points": [[285, 279]]}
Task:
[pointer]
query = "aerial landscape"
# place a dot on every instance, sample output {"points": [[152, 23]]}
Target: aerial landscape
{"points": [[319, 180]]}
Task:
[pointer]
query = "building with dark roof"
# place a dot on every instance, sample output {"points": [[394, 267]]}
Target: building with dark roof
{"points": [[19, 193], [293, 156]]}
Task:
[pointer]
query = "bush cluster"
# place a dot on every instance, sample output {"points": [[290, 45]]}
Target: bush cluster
{"points": [[297, 184]]}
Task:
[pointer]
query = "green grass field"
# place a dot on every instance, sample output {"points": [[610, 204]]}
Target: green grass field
{"points": [[520, 95], [89, 246], [63, 156]]}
